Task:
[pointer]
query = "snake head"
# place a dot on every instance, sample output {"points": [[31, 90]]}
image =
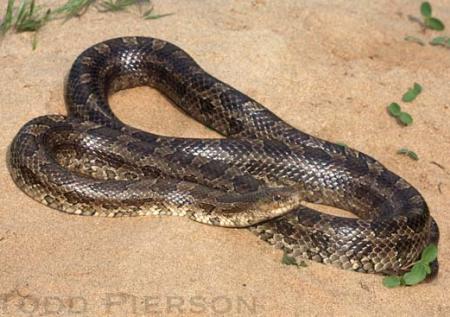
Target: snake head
{"points": [[243, 210]]}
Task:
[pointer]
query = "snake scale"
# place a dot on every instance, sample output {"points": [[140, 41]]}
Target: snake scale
{"points": [[258, 176]]}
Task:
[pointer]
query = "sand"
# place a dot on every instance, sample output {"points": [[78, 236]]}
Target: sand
{"points": [[329, 69]]}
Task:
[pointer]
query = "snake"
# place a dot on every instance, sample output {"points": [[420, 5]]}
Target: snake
{"points": [[261, 174]]}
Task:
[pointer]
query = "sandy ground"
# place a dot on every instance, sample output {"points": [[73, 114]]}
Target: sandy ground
{"points": [[329, 69]]}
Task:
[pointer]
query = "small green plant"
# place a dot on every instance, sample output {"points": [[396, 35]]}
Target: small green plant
{"points": [[395, 110], [28, 17], [412, 93], [409, 153], [290, 260], [429, 21], [116, 5], [149, 15], [418, 272], [73, 8], [441, 41]]}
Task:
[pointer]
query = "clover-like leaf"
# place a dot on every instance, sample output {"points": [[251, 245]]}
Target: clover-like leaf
{"points": [[417, 88], [288, 260], [405, 118], [416, 275], [408, 153], [412, 93], [429, 254], [425, 9], [441, 40], [434, 24], [392, 281], [419, 271], [394, 109]]}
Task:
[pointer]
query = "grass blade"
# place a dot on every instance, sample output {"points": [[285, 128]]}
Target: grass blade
{"points": [[29, 17], [414, 39], [157, 16], [74, 8], [116, 5], [6, 23]]}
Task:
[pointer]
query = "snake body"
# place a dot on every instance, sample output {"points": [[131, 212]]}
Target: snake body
{"points": [[258, 176]]}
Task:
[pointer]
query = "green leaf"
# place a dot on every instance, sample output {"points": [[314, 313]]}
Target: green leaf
{"points": [[434, 24], [288, 260], [394, 109], [416, 275], [414, 39], [405, 118], [408, 153], [417, 88], [391, 281], [441, 40], [409, 96], [425, 9], [342, 144], [427, 268], [429, 254], [412, 93]]}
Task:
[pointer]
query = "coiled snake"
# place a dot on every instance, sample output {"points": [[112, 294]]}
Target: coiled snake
{"points": [[90, 163]]}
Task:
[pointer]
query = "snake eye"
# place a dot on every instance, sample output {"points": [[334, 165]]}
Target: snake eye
{"points": [[277, 197]]}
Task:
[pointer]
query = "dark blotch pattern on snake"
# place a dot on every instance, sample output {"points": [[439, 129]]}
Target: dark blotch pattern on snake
{"points": [[90, 163]]}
